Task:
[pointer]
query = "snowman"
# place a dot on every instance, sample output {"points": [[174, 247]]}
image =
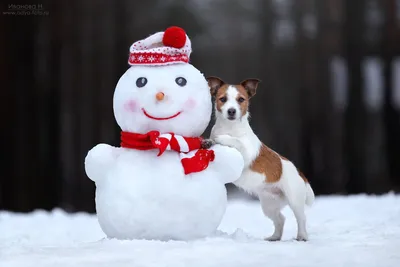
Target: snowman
{"points": [[160, 184]]}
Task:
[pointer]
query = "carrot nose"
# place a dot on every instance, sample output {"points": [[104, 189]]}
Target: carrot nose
{"points": [[160, 96]]}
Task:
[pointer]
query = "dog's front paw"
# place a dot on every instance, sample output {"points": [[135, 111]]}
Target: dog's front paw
{"points": [[207, 143], [225, 140]]}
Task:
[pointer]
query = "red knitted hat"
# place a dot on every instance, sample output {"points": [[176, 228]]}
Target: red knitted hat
{"points": [[162, 48]]}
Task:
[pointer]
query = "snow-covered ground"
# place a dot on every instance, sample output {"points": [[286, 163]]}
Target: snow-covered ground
{"points": [[344, 231]]}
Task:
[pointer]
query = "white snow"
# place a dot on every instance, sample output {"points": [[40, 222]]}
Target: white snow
{"points": [[344, 231]]}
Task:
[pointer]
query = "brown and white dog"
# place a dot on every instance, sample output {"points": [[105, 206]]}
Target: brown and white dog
{"points": [[270, 176]]}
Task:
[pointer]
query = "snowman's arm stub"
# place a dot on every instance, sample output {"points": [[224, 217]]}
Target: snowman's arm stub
{"points": [[99, 160], [228, 163]]}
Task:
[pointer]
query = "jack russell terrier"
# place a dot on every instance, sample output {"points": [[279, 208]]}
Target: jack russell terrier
{"points": [[270, 176]]}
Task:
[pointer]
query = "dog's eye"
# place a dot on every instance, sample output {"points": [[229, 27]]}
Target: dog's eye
{"points": [[241, 99], [223, 99], [180, 81], [140, 82]]}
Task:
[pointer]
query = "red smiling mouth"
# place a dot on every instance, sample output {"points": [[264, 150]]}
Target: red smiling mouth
{"points": [[160, 119]]}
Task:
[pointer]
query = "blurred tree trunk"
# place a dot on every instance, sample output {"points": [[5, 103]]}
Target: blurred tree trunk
{"points": [[7, 118], [321, 43], [308, 56], [331, 117], [46, 72], [365, 148], [355, 113], [30, 124], [277, 107], [70, 59], [19, 189], [391, 50]]}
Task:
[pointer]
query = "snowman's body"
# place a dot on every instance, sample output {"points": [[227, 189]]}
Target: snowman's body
{"points": [[145, 197], [142, 196]]}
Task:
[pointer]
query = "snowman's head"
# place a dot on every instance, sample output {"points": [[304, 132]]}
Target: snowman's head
{"points": [[173, 98], [161, 91]]}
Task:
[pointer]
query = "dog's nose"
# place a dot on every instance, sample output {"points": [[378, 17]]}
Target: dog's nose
{"points": [[231, 112], [160, 96]]}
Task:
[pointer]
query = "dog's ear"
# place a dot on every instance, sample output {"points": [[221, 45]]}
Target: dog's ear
{"points": [[251, 86], [214, 83]]}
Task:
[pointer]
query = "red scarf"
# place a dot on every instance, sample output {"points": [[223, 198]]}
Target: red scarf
{"points": [[162, 142]]}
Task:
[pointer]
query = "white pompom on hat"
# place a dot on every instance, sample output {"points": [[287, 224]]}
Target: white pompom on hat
{"points": [[162, 48]]}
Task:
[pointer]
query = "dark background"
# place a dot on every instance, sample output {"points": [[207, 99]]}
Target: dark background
{"points": [[329, 100]]}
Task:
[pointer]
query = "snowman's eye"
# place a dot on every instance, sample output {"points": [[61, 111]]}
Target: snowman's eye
{"points": [[180, 81], [140, 82]]}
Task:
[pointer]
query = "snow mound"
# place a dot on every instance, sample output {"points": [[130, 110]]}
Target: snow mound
{"points": [[344, 231]]}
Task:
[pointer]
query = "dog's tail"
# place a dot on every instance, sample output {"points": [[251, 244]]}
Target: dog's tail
{"points": [[310, 197]]}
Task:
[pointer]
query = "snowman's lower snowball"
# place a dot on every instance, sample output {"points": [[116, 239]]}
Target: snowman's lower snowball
{"points": [[163, 204]]}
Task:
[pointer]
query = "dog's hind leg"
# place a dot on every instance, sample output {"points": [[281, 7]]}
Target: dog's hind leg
{"points": [[272, 205], [294, 189]]}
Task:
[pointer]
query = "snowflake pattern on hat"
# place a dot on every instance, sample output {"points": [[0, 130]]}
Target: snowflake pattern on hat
{"points": [[162, 48]]}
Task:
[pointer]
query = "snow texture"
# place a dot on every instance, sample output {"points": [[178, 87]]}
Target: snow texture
{"points": [[344, 231]]}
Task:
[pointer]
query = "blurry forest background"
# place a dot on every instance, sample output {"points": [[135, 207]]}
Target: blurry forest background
{"points": [[329, 100]]}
